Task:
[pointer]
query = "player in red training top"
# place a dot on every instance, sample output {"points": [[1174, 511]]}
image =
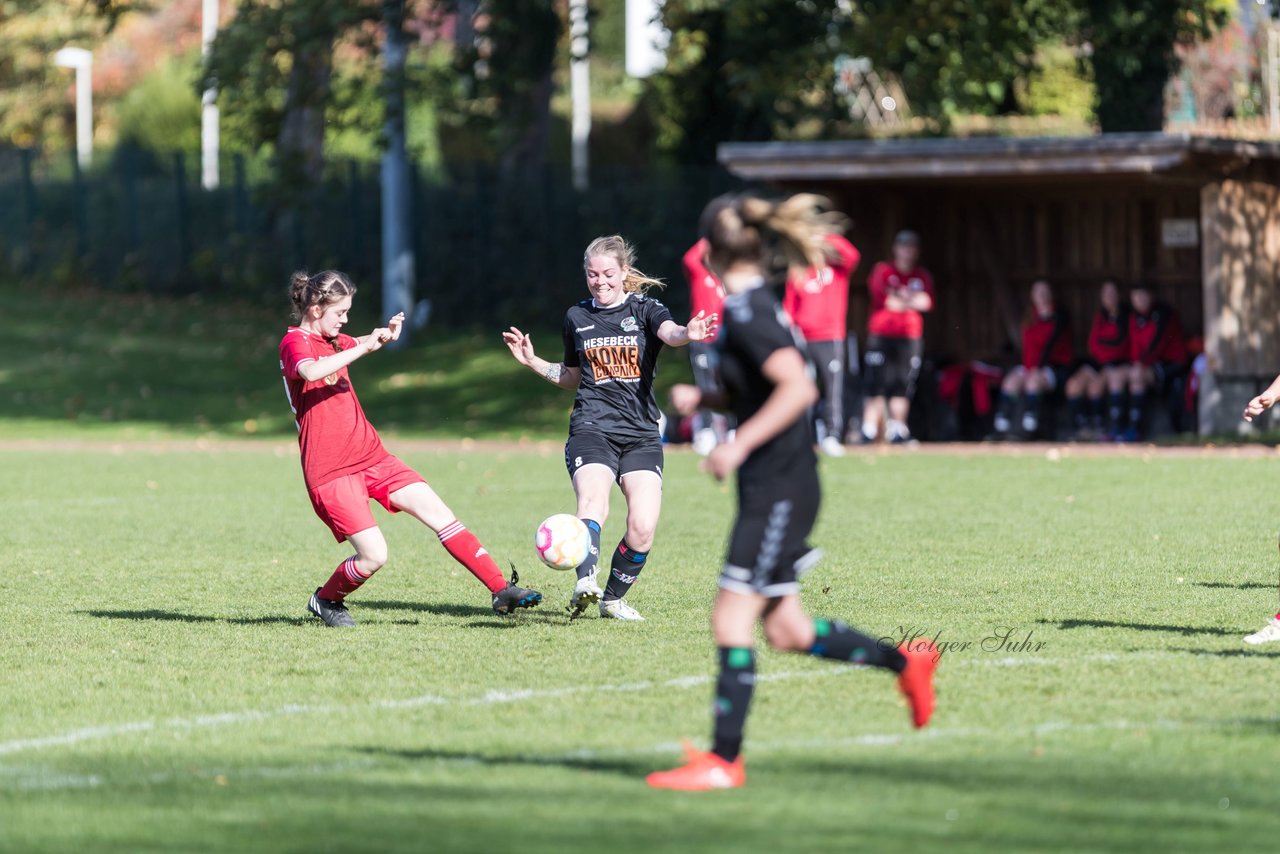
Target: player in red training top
{"points": [[817, 301], [1105, 372], [706, 297], [900, 293], [343, 461], [1046, 362], [1157, 353], [1260, 404]]}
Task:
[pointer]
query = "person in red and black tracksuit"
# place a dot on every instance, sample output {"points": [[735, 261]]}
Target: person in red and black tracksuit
{"points": [[817, 301], [1105, 372], [1046, 363], [1157, 353], [901, 293]]}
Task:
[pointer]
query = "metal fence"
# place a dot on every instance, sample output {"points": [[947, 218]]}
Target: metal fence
{"points": [[137, 221]]}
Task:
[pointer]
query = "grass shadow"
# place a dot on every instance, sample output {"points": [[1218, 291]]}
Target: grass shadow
{"points": [[631, 768], [484, 618], [1231, 653], [1141, 627], [445, 609], [179, 617], [1245, 585]]}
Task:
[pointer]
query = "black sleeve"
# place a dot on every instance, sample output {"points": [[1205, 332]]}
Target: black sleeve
{"points": [[1060, 324], [570, 343], [655, 315], [1160, 315], [757, 335]]}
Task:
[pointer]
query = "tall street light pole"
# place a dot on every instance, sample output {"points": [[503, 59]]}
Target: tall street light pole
{"points": [[209, 102], [82, 61]]}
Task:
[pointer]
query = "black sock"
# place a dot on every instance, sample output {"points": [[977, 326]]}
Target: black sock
{"points": [[1004, 412], [1076, 407], [1135, 410], [1095, 412], [734, 686], [588, 566], [1115, 410], [835, 640], [623, 571], [1031, 407]]}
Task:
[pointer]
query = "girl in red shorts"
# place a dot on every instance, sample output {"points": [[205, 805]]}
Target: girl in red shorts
{"points": [[343, 461]]}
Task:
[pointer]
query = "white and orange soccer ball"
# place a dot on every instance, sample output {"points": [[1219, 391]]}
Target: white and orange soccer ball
{"points": [[562, 541]]}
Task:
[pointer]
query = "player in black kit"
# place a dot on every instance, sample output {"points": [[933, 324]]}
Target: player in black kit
{"points": [[768, 384], [611, 345]]}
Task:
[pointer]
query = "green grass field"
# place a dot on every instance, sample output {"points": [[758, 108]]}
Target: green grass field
{"points": [[162, 689]]}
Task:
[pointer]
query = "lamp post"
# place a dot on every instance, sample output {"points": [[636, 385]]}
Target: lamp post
{"points": [[82, 61], [209, 103]]}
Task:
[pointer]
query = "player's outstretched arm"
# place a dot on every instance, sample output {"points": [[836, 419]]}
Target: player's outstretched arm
{"points": [[318, 369], [687, 399], [1262, 402], [700, 327], [556, 373]]}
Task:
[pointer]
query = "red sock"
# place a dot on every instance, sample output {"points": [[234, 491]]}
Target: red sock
{"points": [[466, 550], [344, 581]]}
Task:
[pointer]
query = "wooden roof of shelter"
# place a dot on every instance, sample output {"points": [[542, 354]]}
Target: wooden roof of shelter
{"points": [[949, 160]]}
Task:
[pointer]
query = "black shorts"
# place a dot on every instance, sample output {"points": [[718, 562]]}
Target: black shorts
{"points": [[891, 366], [769, 549], [621, 455]]}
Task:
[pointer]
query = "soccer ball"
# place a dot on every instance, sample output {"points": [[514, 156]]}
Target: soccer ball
{"points": [[562, 541]]}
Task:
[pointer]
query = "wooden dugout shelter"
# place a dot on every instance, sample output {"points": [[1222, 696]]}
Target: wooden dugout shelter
{"points": [[1196, 218]]}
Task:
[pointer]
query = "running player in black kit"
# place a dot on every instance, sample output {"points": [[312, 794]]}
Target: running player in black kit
{"points": [[769, 387], [611, 345]]}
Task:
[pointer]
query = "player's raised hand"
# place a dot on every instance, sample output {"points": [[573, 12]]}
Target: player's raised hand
{"points": [[395, 324], [1259, 405], [520, 345], [375, 339], [702, 326], [686, 398]]}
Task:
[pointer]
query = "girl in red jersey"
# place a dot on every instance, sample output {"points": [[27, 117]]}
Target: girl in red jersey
{"points": [[1105, 373], [1046, 361], [817, 301], [768, 384], [343, 461], [611, 345], [1157, 353]]}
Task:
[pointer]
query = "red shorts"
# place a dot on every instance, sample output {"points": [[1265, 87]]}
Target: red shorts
{"points": [[343, 503]]}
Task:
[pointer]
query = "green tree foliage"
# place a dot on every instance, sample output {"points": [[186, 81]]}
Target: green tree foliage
{"points": [[162, 112], [274, 68], [1133, 53], [36, 107], [743, 71], [765, 69], [496, 93]]}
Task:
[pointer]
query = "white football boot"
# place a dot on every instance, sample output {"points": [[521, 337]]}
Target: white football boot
{"points": [[618, 609], [585, 594], [831, 447], [1269, 632]]}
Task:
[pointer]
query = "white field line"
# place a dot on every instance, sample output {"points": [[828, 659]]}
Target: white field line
{"points": [[490, 698]]}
